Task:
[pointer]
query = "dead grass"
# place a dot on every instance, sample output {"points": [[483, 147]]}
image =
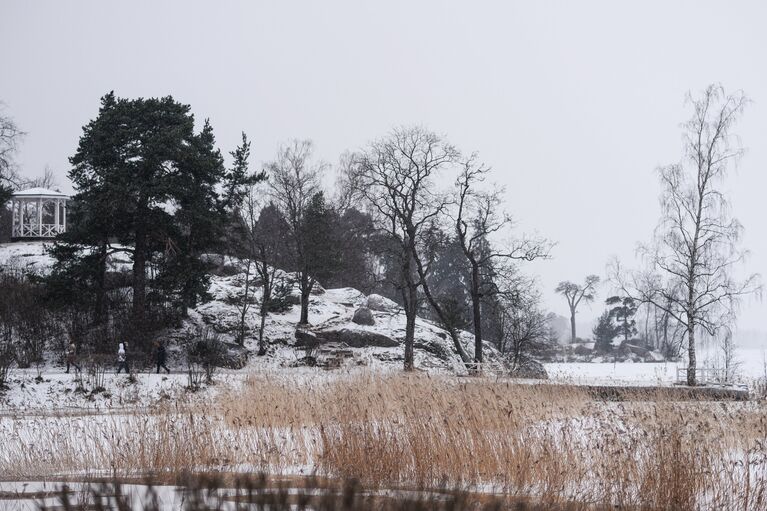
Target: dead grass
{"points": [[553, 442]]}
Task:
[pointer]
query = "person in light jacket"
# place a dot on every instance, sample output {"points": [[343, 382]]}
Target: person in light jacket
{"points": [[122, 358], [71, 356]]}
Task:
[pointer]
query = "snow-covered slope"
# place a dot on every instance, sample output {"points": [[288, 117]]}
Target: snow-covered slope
{"points": [[330, 316]]}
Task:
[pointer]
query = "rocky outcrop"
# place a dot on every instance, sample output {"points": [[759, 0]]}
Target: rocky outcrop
{"points": [[354, 338], [529, 368], [363, 316], [379, 303]]}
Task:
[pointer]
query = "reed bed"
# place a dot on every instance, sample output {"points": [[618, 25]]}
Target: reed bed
{"points": [[555, 443]]}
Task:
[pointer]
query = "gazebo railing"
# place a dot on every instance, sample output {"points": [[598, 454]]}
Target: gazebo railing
{"points": [[703, 375], [35, 230]]}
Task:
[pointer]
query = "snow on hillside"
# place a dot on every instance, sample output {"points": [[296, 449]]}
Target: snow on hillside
{"points": [[331, 312], [25, 255]]}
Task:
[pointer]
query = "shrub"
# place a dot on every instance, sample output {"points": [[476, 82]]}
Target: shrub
{"points": [[281, 300], [204, 355], [7, 359]]}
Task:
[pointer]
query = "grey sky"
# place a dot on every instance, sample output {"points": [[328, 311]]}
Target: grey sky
{"points": [[574, 104]]}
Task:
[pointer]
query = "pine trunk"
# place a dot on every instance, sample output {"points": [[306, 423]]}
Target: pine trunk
{"points": [[139, 275], [101, 292]]}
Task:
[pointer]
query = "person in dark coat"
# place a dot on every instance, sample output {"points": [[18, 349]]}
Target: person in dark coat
{"points": [[161, 356]]}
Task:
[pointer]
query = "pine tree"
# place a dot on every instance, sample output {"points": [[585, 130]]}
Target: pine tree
{"points": [[622, 311], [148, 185], [322, 248], [604, 333]]}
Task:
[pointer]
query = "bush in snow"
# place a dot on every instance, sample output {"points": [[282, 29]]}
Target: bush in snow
{"points": [[280, 300], [203, 357], [7, 359]]}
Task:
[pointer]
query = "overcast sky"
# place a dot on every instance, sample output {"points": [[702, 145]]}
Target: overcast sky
{"points": [[574, 104]]}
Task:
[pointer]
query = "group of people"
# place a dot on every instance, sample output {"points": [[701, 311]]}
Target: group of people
{"points": [[160, 355]]}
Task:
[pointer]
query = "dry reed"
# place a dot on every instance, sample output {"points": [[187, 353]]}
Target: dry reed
{"points": [[555, 443]]}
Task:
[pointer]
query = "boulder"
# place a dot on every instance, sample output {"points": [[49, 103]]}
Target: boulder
{"points": [[306, 338], [363, 316], [636, 350], [349, 336], [439, 350], [654, 356], [379, 303], [529, 368]]}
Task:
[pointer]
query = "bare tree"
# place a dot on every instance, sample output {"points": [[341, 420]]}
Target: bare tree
{"points": [[524, 329], [10, 136], [730, 363], [394, 178], [575, 294], [695, 245], [294, 180], [47, 180], [478, 218], [264, 229]]}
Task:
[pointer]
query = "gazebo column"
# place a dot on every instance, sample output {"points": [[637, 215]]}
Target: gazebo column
{"points": [[56, 217], [13, 217], [21, 217], [64, 223], [40, 216]]}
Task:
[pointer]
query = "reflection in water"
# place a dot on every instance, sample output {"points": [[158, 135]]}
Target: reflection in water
{"points": [[239, 492]]}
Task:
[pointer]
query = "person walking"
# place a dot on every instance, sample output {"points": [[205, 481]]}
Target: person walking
{"points": [[122, 358], [161, 356], [71, 356]]}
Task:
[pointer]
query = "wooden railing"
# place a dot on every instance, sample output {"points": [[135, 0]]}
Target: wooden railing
{"points": [[487, 368], [37, 230], [703, 375]]}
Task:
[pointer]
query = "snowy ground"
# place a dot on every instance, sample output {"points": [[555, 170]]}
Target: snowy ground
{"points": [[57, 392], [333, 308], [750, 365]]}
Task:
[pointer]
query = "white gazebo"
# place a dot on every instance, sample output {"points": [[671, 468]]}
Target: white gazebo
{"points": [[38, 213]]}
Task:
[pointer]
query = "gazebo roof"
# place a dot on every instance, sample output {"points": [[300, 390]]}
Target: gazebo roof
{"points": [[33, 193]]}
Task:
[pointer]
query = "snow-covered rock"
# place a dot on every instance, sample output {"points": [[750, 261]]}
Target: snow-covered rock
{"points": [[529, 368], [363, 316], [379, 303]]}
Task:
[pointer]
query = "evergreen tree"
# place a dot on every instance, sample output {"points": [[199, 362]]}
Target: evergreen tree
{"points": [[604, 332], [132, 157], [148, 185], [622, 311], [321, 247]]}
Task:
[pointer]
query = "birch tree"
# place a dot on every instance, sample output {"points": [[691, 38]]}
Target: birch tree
{"points": [[695, 247], [10, 136]]}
